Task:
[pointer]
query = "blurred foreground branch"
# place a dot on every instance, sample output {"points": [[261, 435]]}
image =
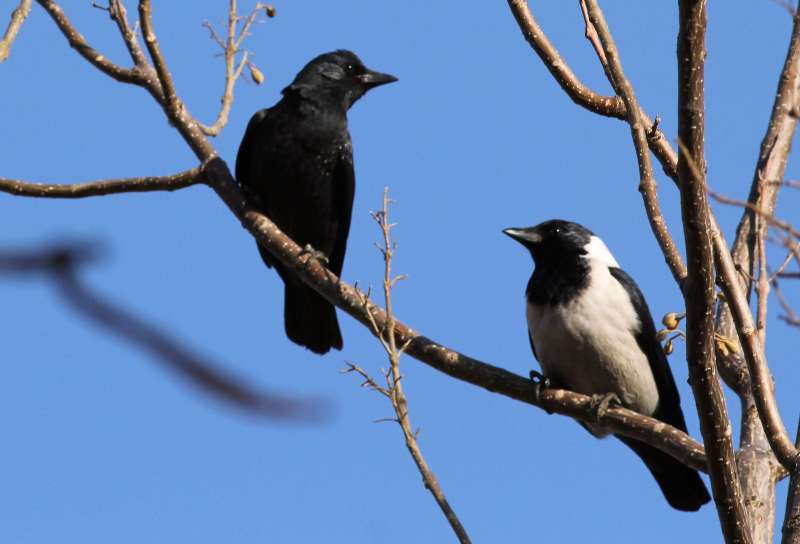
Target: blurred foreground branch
{"points": [[61, 264]]}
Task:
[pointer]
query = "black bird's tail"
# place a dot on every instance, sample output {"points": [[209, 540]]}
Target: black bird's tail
{"points": [[682, 486], [310, 320]]}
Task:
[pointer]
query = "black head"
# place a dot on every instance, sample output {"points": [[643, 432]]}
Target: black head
{"points": [[337, 77], [553, 241]]}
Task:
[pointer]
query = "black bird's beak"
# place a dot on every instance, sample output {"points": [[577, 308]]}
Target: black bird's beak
{"points": [[524, 236], [372, 79]]}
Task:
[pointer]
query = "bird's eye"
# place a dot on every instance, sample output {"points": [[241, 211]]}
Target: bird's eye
{"points": [[349, 68]]}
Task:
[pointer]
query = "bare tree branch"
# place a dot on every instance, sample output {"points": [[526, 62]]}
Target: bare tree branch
{"points": [[103, 187], [231, 47], [769, 170], [700, 294], [647, 183], [761, 381], [18, 17], [119, 15], [394, 378], [79, 43], [60, 263], [791, 519]]}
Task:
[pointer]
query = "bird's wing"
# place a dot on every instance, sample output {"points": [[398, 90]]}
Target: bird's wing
{"points": [[344, 187], [533, 348], [669, 402], [247, 157]]}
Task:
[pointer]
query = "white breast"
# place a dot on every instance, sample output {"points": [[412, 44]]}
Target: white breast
{"points": [[588, 345]]}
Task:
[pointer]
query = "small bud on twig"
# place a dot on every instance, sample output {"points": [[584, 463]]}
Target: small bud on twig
{"points": [[255, 74]]}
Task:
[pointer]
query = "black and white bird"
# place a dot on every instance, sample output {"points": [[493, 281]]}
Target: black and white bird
{"points": [[296, 163], [591, 331]]}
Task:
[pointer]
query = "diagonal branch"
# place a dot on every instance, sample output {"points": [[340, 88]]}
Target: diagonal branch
{"points": [[60, 263], [18, 17], [103, 187], [612, 107], [172, 103], [79, 43]]}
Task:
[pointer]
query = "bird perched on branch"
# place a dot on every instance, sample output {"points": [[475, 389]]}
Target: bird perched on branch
{"points": [[296, 164], [591, 330]]}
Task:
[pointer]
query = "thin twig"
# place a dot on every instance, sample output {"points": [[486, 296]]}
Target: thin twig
{"points": [[394, 378], [768, 217], [791, 317], [231, 46], [18, 17]]}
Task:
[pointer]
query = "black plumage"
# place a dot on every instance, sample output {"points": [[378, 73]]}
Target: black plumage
{"points": [[591, 330], [296, 164]]}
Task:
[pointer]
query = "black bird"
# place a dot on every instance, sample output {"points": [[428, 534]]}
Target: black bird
{"points": [[591, 330], [296, 163]]}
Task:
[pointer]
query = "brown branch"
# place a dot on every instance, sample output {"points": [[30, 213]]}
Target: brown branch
{"points": [[612, 107], [647, 183], [762, 288], [767, 216], [609, 106], [60, 263], [769, 170], [103, 187], [761, 381], [394, 379], [231, 47], [119, 15], [700, 295], [791, 519], [79, 43], [172, 103], [18, 17]]}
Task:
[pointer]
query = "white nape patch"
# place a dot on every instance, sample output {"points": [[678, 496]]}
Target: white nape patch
{"points": [[589, 343], [597, 249]]}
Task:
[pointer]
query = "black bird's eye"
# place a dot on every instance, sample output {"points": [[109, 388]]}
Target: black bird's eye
{"points": [[349, 68]]}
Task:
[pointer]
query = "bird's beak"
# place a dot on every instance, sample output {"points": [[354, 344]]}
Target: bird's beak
{"points": [[372, 79], [524, 236]]}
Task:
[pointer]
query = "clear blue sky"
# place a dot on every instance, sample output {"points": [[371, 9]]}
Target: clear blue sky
{"points": [[101, 445]]}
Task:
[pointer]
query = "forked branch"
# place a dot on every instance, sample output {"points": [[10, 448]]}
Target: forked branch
{"points": [[394, 385]]}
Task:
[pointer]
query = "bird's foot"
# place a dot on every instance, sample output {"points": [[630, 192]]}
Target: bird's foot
{"points": [[601, 403], [540, 383], [314, 255]]}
